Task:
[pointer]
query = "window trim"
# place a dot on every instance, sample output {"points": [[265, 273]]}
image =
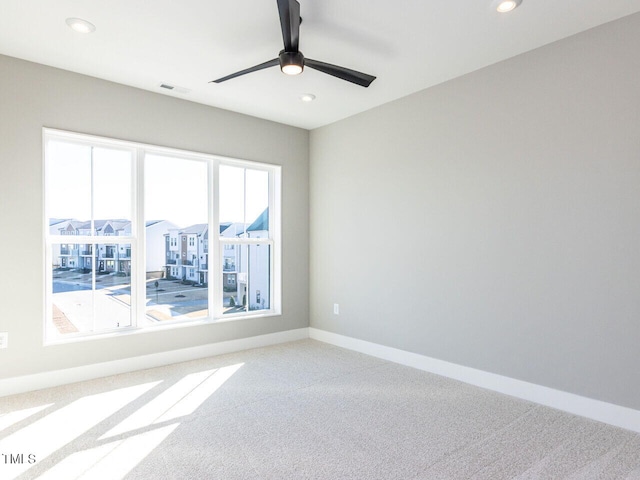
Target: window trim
{"points": [[137, 238]]}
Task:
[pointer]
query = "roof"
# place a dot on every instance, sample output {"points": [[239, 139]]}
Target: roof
{"points": [[56, 221], [233, 230], [260, 223], [198, 228]]}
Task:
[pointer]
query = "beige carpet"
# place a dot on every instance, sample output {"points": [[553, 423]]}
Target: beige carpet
{"points": [[303, 410]]}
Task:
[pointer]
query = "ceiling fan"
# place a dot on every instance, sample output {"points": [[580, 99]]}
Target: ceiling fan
{"points": [[291, 60]]}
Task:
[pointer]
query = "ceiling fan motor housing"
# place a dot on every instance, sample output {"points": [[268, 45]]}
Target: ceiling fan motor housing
{"points": [[288, 59]]}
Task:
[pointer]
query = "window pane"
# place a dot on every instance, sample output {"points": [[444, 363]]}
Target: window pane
{"points": [[244, 201], [176, 225], [257, 203], [72, 300], [68, 186], [246, 278], [112, 185], [259, 277], [87, 299], [112, 296], [234, 278], [231, 196], [72, 171]]}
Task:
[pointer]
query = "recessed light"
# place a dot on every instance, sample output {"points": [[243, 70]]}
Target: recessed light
{"points": [[504, 6], [80, 25], [307, 97]]}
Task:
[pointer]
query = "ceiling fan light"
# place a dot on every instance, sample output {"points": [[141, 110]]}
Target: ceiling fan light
{"points": [[291, 63], [291, 69]]}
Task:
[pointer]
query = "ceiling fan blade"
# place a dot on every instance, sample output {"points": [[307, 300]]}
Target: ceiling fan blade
{"points": [[270, 63], [341, 72], [290, 22]]}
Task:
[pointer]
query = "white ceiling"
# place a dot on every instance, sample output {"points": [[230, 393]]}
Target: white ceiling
{"points": [[408, 44]]}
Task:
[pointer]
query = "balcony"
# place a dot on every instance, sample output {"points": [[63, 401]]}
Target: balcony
{"points": [[86, 253], [171, 262]]}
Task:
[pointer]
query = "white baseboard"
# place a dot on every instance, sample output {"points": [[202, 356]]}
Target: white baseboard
{"points": [[55, 378], [585, 407]]}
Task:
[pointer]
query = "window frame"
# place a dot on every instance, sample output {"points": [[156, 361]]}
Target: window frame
{"points": [[137, 238]]}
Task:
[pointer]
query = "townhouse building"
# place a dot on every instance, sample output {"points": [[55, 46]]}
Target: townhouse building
{"points": [[105, 257], [108, 256], [187, 253], [245, 268]]}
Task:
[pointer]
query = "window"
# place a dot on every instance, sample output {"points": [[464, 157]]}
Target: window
{"points": [[246, 195], [184, 209], [133, 213]]}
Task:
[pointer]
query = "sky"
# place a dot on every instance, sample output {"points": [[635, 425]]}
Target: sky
{"points": [[175, 189]]}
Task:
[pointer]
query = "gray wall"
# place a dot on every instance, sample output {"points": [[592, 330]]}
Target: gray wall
{"points": [[33, 96], [493, 221]]}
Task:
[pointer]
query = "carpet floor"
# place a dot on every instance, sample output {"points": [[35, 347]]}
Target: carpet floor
{"points": [[301, 410]]}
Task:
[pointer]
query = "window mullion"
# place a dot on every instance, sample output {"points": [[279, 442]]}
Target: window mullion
{"points": [[215, 250], [138, 283], [93, 231], [274, 236]]}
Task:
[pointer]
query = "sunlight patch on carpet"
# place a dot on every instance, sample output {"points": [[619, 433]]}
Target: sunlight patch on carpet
{"points": [[52, 432], [111, 461], [179, 400]]}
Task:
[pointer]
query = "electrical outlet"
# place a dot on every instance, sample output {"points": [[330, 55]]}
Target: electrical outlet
{"points": [[4, 339], [336, 309]]}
